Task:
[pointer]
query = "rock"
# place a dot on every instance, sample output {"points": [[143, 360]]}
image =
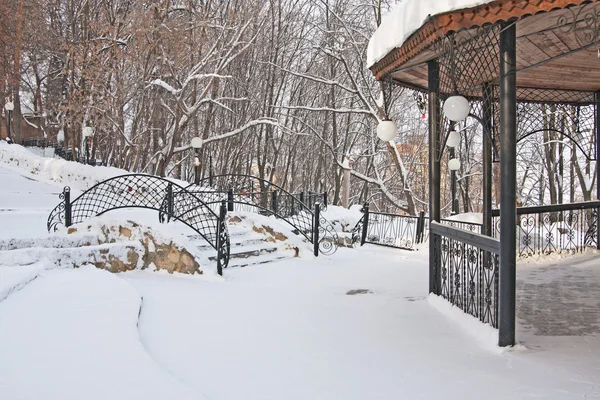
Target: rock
{"points": [[125, 232], [235, 220], [141, 247], [277, 235]]}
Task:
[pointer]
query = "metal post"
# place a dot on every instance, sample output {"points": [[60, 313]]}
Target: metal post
{"points": [[487, 159], [301, 197], [218, 244], [316, 225], [67, 200], [169, 201], [453, 184], [210, 170], [420, 227], [365, 228], [325, 199], [508, 176], [8, 122], [197, 168], [87, 151], [274, 202], [230, 200], [435, 260], [598, 168]]}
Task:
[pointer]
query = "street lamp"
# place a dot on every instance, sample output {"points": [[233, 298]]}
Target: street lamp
{"points": [[9, 107], [197, 145], [454, 164], [87, 132], [386, 130], [456, 109], [453, 139]]}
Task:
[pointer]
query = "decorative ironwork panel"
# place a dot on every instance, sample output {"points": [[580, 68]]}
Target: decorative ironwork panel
{"points": [[357, 230], [469, 278], [392, 230], [57, 215], [468, 226], [551, 229]]}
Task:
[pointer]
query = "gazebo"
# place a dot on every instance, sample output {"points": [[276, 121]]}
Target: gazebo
{"points": [[505, 64]]}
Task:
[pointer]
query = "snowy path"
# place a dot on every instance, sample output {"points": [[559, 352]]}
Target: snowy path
{"points": [[25, 204], [289, 331], [72, 334]]}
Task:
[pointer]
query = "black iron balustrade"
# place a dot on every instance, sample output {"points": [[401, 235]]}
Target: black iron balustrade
{"points": [[468, 226], [554, 228], [468, 272], [253, 194], [147, 192], [38, 142], [390, 230]]}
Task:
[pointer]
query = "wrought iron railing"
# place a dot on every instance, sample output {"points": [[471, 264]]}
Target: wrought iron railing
{"points": [[468, 226], [466, 270], [554, 228], [391, 230], [250, 193], [38, 142], [147, 192]]}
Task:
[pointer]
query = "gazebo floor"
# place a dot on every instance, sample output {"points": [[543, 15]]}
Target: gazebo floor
{"points": [[559, 296]]}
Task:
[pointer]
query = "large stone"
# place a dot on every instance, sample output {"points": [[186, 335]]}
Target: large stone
{"points": [[144, 250]]}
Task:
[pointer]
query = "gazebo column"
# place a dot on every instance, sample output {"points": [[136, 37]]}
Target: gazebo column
{"points": [[508, 175], [435, 278], [488, 98], [597, 128]]}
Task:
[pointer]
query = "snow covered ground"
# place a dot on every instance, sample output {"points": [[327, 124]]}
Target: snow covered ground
{"points": [[356, 325]]}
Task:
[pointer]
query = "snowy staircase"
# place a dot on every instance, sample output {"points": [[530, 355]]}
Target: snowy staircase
{"points": [[247, 247]]}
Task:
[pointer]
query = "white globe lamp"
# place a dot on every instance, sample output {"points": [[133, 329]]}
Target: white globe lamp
{"points": [[197, 142], [386, 130], [9, 106], [454, 164], [456, 108], [453, 139]]}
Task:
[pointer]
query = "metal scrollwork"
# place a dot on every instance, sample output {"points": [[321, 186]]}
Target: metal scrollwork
{"points": [[357, 230], [224, 252], [328, 237], [583, 24], [57, 215], [468, 277]]}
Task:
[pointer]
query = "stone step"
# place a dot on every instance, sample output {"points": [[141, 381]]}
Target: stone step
{"points": [[247, 252], [267, 258], [232, 233], [235, 243]]}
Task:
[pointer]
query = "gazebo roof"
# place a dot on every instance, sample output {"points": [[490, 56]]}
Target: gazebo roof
{"points": [[556, 43]]}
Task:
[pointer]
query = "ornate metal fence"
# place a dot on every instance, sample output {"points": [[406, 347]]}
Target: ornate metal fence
{"points": [[148, 192], [554, 228], [391, 230], [468, 226], [250, 193], [466, 266]]}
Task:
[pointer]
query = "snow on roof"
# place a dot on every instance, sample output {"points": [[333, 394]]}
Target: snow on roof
{"points": [[405, 19]]}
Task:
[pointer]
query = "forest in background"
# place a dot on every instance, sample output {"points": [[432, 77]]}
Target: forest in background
{"points": [[278, 89]]}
